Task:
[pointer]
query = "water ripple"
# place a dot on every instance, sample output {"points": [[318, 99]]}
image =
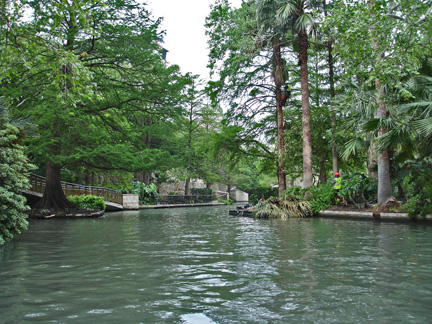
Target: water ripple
{"points": [[199, 265]]}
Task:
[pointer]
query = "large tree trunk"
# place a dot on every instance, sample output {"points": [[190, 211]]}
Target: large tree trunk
{"points": [[187, 187], [307, 137], [54, 197], [279, 80], [323, 173], [385, 192], [372, 161]]}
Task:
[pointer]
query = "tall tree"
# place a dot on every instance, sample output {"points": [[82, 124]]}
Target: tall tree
{"points": [[245, 83], [384, 42], [273, 32], [298, 13], [88, 75]]}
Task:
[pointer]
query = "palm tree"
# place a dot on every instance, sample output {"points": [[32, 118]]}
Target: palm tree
{"points": [[268, 24], [410, 126], [295, 14]]}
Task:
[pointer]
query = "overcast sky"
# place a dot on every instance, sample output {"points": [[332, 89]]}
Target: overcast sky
{"points": [[183, 21]]}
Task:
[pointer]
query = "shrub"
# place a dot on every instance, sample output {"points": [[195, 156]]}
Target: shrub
{"points": [[14, 174], [357, 191], [201, 191], [88, 202], [418, 188], [147, 193], [262, 192], [321, 196]]}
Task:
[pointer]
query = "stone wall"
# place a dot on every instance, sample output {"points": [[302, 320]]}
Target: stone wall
{"points": [[239, 195], [177, 187], [130, 201]]}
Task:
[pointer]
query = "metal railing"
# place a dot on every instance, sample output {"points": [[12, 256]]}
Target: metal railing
{"points": [[38, 184]]}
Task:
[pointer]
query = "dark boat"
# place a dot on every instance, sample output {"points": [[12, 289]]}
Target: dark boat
{"points": [[241, 212]]}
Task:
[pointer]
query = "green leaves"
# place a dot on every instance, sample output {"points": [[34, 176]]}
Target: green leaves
{"points": [[14, 173]]}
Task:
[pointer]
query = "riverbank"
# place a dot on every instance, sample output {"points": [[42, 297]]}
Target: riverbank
{"points": [[345, 212]]}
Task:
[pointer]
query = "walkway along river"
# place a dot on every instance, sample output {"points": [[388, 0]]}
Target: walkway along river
{"points": [[200, 265]]}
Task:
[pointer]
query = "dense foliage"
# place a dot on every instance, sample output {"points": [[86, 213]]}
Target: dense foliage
{"points": [[418, 186], [202, 191], [147, 194], [89, 202], [14, 173], [300, 90]]}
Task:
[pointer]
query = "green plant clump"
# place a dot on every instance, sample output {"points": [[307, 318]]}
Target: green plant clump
{"points": [[14, 175], [419, 191], [321, 197], [358, 191], [147, 193], [89, 202], [201, 191]]}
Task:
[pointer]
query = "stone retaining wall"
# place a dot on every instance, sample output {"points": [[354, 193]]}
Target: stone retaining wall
{"points": [[372, 216], [130, 201]]}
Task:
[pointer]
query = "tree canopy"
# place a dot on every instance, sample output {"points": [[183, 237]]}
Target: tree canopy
{"points": [[300, 89]]}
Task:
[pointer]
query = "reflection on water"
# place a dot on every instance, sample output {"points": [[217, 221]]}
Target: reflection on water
{"points": [[199, 265]]}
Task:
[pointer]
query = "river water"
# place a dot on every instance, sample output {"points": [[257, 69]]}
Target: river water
{"points": [[200, 265]]}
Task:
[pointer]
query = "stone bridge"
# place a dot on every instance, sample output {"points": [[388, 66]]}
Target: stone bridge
{"points": [[113, 199]]}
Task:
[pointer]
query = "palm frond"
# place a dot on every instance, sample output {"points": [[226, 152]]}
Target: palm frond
{"points": [[425, 107], [372, 125], [424, 126], [4, 110], [353, 146], [304, 22], [287, 10], [286, 207]]}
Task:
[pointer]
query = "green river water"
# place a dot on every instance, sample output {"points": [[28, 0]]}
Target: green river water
{"points": [[200, 265]]}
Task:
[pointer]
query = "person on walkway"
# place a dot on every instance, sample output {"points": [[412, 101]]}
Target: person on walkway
{"points": [[337, 186]]}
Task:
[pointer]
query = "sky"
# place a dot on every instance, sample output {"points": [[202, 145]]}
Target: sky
{"points": [[185, 39]]}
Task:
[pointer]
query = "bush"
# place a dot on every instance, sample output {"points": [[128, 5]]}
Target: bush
{"points": [[201, 191], [321, 198], [418, 190], [262, 192], [358, 191], [14, 175], [147, 193], [88, 202]]}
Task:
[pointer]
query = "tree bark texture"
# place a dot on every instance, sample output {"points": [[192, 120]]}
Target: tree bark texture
{"points": [[385, 192], [372, 162], [306, 124], [279, 117], [187, 187]]}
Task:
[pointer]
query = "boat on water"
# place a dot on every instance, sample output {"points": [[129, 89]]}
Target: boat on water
{"points": [[242, 211]]}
